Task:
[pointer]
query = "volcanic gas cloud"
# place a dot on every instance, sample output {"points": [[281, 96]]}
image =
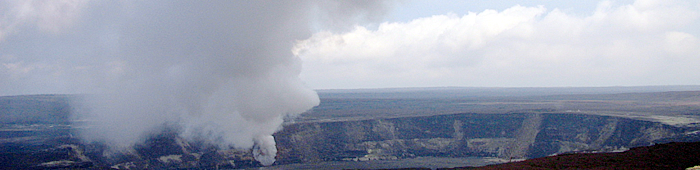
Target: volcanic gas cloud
{"points": [[222, 71]]}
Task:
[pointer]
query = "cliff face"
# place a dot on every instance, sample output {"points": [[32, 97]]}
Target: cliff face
{"points": [[509, 136]]}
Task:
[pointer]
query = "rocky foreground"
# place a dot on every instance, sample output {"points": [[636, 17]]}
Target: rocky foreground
{"points": [[677, 155], [669, 156]]}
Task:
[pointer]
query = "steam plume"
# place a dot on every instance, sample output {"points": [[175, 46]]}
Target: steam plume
{"points": [[223, 71]]}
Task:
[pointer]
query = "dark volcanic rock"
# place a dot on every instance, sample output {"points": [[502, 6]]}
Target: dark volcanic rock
{"points": [[661, 156]]}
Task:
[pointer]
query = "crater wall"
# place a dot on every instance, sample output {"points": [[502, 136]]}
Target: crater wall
{"points": [[508, 136]]}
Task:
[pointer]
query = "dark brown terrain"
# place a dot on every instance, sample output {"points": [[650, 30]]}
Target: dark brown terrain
{"points": [[675, 155], [669, 156]]}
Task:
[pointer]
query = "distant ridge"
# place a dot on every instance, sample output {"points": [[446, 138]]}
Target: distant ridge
{"points": [[431, 92]]}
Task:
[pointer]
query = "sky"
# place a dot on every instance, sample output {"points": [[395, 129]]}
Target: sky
{"points": [[510, 44], [408, 43]]}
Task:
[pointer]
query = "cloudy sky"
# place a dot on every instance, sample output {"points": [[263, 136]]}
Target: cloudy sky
{"points": [[510, 44], [51, 46]]}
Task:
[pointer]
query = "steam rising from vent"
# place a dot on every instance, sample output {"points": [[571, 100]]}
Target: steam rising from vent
{"points": [[220, 71], [265, 150]]}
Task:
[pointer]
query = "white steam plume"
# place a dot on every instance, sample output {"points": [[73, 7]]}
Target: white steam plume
{"points": [[223, 71], [265, 150]]}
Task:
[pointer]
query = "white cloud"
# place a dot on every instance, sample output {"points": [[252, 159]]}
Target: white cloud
{"points": [[51, 16], [625, 44]]}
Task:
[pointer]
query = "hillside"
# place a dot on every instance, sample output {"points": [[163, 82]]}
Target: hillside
{"points": [[661, 156]]}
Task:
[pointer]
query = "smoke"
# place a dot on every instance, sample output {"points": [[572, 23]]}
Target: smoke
{"points": [[265, 150], [222, 71]]}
